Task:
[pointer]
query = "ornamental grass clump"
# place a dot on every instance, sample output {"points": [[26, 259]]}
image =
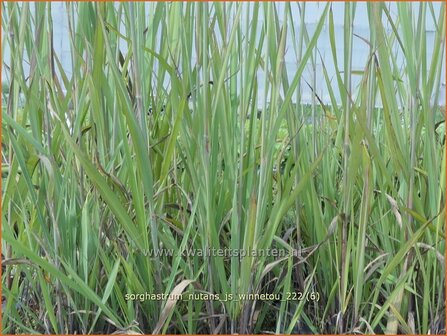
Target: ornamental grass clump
{"points": [[178, 128]]}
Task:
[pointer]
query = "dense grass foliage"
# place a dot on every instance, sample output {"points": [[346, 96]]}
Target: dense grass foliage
{"points": [[157, 137]]}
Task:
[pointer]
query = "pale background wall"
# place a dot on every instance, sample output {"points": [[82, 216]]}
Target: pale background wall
{"points": [[313, 12]]}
